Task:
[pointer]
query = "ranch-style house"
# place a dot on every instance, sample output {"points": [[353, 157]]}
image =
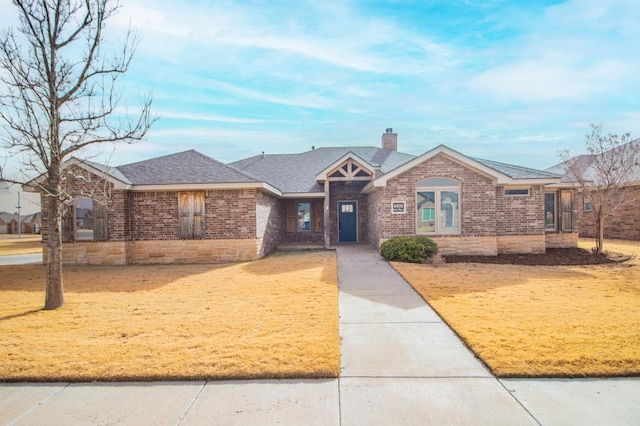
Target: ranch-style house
{"points": [[190, 208]]}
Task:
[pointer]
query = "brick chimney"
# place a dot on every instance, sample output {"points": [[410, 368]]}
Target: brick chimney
{"points": [[390, 140]]}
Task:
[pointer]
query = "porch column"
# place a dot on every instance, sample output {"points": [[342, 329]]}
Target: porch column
{"points": [[327, 220]]}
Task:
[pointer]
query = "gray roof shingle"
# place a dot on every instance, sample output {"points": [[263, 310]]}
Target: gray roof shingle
{"points": [[297, 172], [188, 167], [517, 172]]}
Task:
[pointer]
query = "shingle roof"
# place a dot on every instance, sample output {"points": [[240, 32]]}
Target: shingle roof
{"points": [[297, 172], [585, 162], [108, 170], [183, 168], [517, 172]]}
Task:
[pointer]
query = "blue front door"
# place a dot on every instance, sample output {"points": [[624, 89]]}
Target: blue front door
{"points": [[347, 222]]}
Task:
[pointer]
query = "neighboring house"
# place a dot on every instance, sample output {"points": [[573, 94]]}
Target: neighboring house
{"points": [[30, 224], [624, 222], [5, 222], [187, 207]]}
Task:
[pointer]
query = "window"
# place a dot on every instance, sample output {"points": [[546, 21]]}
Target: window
{"points": [[550, 211], [511, 192], [566, 201], [304, 216], [588, 206], [85, 221], [303, 222], [438, 206], [191, 213]]}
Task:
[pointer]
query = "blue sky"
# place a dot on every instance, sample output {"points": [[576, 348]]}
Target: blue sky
{"points": [[512, 81]]}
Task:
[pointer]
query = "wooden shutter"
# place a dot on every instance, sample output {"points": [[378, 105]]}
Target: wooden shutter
{"points": [[566, 203], [198, 214], [184, 212], [101, 223], [292, 216], [317, 215], [191, 214], [67, 224]]}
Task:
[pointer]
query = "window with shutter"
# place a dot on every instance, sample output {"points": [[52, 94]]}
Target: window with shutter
{"points": [[191, 214], [304, 216]]}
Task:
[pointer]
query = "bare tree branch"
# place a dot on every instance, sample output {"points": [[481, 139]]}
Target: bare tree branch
{"points": [[55, 102], [603, 175]]}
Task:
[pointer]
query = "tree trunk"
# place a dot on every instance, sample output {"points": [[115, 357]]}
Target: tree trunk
{"points": [[54, 295], [600, 234]]}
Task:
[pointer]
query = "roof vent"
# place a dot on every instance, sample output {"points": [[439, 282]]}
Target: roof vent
{"points": [[313, 148]]}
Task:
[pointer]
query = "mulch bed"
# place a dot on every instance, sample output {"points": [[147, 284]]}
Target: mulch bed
{"points": [[553, 257]]}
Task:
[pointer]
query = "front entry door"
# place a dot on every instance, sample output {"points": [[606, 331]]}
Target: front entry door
{"points": [[347, 222]]}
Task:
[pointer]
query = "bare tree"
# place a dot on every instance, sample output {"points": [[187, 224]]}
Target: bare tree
{"points": [[58, 96], [603, 174]]}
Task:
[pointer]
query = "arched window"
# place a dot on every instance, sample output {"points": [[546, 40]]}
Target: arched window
{"points": [[438, 206]]}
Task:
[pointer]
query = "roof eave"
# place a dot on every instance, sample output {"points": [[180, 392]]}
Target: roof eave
{"points": [[264, 186], [303, 195], [32, 185], [455, 156]]}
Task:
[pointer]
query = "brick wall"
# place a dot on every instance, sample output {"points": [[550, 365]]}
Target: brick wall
{"points": [[153, 215], [478, 199], [520, 214], [94, 253], [373, 218], [146, 217], [348, 191], [623, 223], [561, 239], [192, 251], [270, 222], [229, 214], [512, 244]]}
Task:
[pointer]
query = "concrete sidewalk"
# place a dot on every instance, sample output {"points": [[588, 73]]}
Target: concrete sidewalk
{"points": [[21, 259], [400, 365]]}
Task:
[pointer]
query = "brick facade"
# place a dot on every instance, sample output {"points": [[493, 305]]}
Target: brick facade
{"points": [[269, 223], [144, 227], [520, 214], [477, 200], [225, 225], [491, 222], [623, 223]]}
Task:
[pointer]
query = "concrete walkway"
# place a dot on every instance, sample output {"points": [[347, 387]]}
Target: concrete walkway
{"points": [[401, 365]]}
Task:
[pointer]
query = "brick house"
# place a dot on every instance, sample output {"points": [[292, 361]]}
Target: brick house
{"points": [[187, 207], [624, 222]]}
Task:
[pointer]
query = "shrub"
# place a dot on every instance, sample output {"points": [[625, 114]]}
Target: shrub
{"points": [[407, 248]]}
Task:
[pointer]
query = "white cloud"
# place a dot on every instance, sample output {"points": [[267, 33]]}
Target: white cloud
{"points": [[177, 115], [536, 81], [578, 51]]}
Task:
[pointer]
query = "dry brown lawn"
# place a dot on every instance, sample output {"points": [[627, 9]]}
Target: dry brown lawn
{"points": [[10, 244], [541, 321], [272, 318]]}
